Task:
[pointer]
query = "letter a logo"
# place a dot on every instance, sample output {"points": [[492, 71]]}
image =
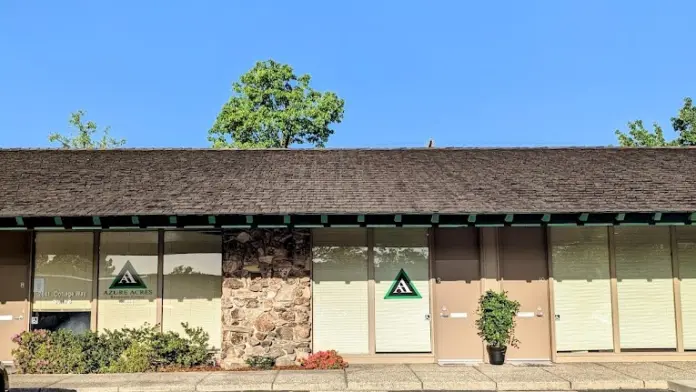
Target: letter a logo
{"points": [[128, 279], [402, 287]]}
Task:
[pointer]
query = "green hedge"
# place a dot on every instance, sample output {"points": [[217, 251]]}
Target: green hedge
{"points": [[127, 350]]}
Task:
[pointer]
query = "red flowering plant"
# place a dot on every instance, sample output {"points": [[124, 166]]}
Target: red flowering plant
{"points": [[324, 360]]}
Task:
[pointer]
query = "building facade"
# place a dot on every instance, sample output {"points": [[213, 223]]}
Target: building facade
{"points": [[379, 254]]}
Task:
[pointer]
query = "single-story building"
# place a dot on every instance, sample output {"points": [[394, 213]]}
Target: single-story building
{"points": [[380, 254]]}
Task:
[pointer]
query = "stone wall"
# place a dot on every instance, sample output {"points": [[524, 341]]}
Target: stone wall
{"points": [[266, 295]]}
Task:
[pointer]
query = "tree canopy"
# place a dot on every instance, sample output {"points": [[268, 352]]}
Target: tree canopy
{"points": [[271, 107], [683, 125], [86, 136]]}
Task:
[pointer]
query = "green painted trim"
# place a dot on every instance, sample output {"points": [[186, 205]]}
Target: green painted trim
{"points": [[509, 218], [397, 218], [49, 228], [471, 218], [583, 217], [563, 224], [172, 220], [526, 225], [309, 226], [324, 219], [199, 227], [96, 220], [211, 219], [453, 225], [132, 228], [620, 217], [235, 226], [435, 218], [379, 225], [13, 229], [345, 226], [286, 219], [490, 225], [598, 224], [692, 217], [634, 224], [271, 226], [546, 218], [85, 228], [414, 225], [19, 220], [135, 220], [657, 216], [58, 221], [249, 219], [361, 218], [670, 223]]}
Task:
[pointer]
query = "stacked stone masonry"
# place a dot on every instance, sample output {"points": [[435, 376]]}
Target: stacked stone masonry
{"points": [[266, 295]]}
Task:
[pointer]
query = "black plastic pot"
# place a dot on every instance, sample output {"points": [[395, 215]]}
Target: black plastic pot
{"points": [[496, 355]]}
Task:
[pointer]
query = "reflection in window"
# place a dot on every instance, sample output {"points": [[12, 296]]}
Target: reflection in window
{"points": [[63, 281], [193, 282], [127, 280], [340, 290]]}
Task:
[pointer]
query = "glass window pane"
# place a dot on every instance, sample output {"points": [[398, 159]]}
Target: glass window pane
{"points": [[582, 291], [340, 290], [193, 283], [63, 280], [402, 296], [127, 280], [644, 270]]}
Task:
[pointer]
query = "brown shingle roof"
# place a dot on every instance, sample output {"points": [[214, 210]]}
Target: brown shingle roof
{"points": [[446, 180]]}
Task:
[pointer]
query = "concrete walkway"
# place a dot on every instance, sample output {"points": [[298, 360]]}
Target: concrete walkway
{"points": [[557, 377]]}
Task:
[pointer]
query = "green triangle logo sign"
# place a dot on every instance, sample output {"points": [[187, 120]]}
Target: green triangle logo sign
{"points": [[128, 278], [402, 288]]}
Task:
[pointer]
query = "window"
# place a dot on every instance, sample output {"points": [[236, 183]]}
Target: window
{"points": [[402, 297], [686, 253], [644, 270], [193, 282], [127, 280], [582, 291], [63, 281], [340, 290]]}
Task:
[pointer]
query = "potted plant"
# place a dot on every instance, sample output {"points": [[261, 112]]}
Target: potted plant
{"points": [[496, 324]]}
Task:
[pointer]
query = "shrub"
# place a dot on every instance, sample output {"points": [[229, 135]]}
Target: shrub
{"points": [[137, 358], [496, 322], [324, 360], [259, 362], [125, 350]]}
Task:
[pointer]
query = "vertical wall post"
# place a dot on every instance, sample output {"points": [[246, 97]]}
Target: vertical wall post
{"points": [[94, 301], [30, 278], [552, 302], [372, 343], [160, 278], [676, 288], [430, 234], [490, 266], [614, 290]]}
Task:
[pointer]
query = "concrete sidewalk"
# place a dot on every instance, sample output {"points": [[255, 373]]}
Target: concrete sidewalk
{"points": [[557, 377]]}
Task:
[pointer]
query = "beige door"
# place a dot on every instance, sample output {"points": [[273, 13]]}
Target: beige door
{"points": [[14, 288], [524, 275], [456, 291]]}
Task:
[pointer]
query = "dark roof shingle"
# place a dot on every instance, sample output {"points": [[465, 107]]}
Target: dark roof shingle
{"points": [[446, 180]]}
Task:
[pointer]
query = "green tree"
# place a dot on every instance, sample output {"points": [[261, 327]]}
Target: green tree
{"points": [[86, 135], [271, 107], [683, 125]]}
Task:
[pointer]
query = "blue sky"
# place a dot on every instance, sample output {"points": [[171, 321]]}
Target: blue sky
{"points": [[484, 73]]}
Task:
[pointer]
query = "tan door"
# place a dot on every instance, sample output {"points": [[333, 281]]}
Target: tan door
{"points": [[524, 275], [14, 288], [456, 291]]}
